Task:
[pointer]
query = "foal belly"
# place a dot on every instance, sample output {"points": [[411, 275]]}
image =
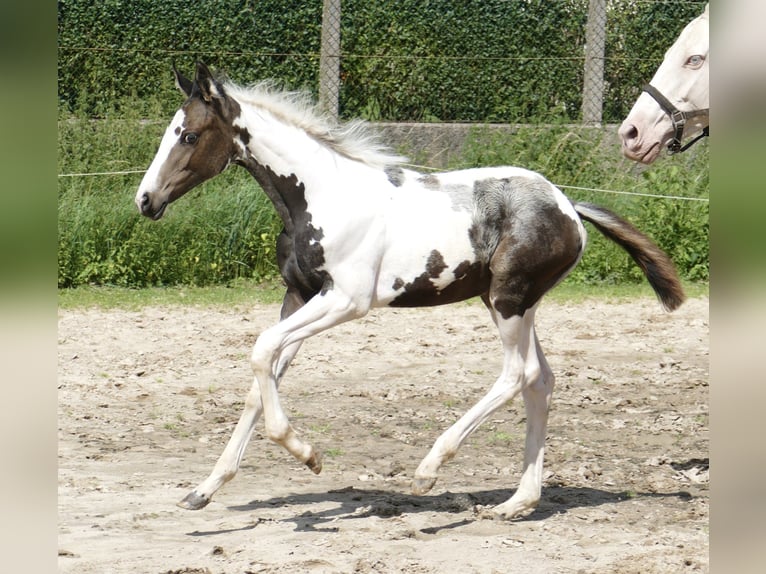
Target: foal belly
{"points": [[432, 263], [466, 280]]}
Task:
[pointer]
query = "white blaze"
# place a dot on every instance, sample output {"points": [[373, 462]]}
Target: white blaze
{"points": [[149, 182]]}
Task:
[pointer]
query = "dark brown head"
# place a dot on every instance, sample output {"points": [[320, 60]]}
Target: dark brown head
{"points": [[199, 143]]}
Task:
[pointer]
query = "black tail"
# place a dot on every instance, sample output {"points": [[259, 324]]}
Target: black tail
{"points": [[656, 265]]}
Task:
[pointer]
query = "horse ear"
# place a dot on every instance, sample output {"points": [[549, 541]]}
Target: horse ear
{"points": [[205, 84], [182, 83]]}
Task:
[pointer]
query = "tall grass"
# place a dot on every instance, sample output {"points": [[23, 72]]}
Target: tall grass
{"points": [[229, 232], [226, 229]]}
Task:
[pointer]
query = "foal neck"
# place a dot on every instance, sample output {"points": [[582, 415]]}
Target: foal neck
{"points": [[285, 130], [283, 148]]}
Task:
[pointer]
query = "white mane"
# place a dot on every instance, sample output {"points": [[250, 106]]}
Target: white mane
{"points": [[352, 139]]}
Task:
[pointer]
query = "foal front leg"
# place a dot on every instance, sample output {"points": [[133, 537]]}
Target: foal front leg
{"points": [[231, 457], [321, 312]]}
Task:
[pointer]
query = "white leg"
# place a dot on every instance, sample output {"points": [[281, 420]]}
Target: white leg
{"points": [[231, 457], [320, 313], [520, 366], [537, 399]]}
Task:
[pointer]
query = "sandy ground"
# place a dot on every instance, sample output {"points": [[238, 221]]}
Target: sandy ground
{"points": [[147, 400]]}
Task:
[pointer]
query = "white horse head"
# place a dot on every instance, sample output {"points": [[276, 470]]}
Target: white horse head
{"points": [[676, 102]]}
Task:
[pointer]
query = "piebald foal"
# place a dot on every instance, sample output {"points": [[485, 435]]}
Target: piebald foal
{"points": [[360, 231]]}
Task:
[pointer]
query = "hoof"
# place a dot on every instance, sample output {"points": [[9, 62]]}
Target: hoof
{"points": [[315, 463], [489, 513], [423, 485], [194, 501], [507, 511]]}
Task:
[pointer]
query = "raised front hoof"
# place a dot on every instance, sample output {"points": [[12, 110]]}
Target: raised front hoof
{"points": [[423, 485], [194, 501], [315, 463]]}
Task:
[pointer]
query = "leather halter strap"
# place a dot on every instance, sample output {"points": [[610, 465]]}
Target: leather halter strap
{"points": [[679, 120]]}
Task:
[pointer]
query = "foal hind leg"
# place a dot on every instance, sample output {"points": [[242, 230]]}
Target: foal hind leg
{"points": [[231, 457], [519, 367], [528, 261], [537, 399]]}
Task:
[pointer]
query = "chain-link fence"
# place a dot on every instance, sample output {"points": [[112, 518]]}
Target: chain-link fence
{"points": [[593, 70], [594, 49], [329, 59]]}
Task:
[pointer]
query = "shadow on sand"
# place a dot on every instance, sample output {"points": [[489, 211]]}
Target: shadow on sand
{"points": [[352, 503]]}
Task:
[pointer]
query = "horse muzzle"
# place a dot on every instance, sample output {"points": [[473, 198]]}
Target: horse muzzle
{"points": [[637, 147], [148, 208], [679, 119]]}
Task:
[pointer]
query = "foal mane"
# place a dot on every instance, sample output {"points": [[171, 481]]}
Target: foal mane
{"points": [[353, 139]]}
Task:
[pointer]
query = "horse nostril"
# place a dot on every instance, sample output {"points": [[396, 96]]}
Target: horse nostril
{"points": [[628, 132], [145, 201]]}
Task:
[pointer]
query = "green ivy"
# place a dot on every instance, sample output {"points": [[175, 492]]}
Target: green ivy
{"points": [[401, 60]]}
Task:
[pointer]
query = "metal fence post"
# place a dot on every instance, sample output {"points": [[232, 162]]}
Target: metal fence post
{"points": [[329, 58], [593, 73]]}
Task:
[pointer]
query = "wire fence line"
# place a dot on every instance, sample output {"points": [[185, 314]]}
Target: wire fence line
{"points": [[426, 168], [98, 173], [658, 196], [316, 55]]}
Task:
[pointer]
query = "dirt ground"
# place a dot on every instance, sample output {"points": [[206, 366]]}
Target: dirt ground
{"points": [[147, 400]]}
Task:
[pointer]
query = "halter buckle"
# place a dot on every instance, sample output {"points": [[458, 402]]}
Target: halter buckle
{"points": [[677, 118]]}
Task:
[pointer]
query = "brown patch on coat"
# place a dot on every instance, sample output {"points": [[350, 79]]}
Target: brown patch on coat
{"points": [[470, 279]]}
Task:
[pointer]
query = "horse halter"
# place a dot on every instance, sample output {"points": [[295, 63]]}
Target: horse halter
{"points": [[679, 119]]}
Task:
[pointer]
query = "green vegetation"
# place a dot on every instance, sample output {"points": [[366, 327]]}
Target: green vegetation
{"points": [[225, 230], [245, 293], [222, 235], [501, 438], [408, 60]]}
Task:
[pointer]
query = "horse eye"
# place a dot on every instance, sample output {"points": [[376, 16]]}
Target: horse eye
{"points": [[695, 60], [189, 138]]}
